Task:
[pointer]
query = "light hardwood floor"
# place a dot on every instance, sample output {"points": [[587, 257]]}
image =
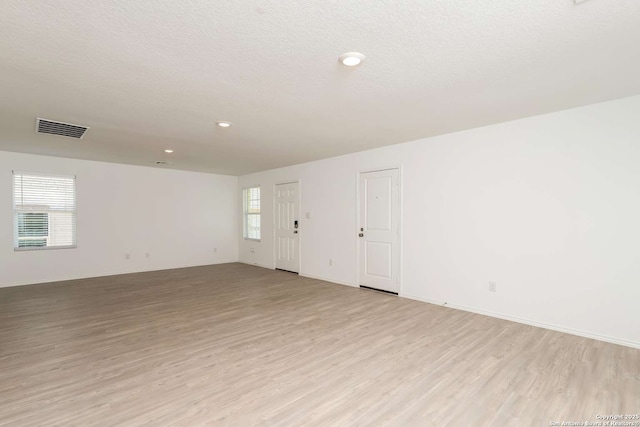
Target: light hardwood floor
{"points": [[240, 345]]}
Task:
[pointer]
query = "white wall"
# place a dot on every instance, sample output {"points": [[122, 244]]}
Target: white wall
{"points": [[548, 207], [178, 217]]}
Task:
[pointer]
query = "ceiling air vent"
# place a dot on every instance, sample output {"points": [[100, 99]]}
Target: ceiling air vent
{"points": [[59, 128]]}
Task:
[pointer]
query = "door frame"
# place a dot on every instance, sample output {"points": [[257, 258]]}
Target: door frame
{"points": [[273, 225], [400, 213]]}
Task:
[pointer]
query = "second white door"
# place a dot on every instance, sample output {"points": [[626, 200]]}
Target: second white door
{"points": [[379, 230], [287, 227]]}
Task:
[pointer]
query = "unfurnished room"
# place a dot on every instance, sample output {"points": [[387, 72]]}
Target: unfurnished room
{"points": [[320, 213]]}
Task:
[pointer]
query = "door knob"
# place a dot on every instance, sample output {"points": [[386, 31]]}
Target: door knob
{"points": [[361, 235]]}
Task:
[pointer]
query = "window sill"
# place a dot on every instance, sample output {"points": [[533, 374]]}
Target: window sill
{"points": [[253, 240], [44, 248]]}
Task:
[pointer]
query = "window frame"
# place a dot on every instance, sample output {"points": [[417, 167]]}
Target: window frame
{"points": [[19, 209], [246, 214]]}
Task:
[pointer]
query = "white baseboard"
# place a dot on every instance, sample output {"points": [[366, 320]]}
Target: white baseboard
{"points": [[257, 265], [516, 319], [310, 276], [116, 272], [529, 322]]}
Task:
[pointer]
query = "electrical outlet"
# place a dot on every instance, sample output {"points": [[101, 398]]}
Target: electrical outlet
{"points": [[308, 215], [147, 255], [330, 262], [215, 249], [492, 287], [127, 256]]}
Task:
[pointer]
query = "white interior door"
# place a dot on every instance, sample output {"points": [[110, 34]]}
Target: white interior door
{"points": [[379, 230], [287, 229]]}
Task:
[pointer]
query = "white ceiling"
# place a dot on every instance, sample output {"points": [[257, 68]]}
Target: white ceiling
{"points": [[146, 75]]}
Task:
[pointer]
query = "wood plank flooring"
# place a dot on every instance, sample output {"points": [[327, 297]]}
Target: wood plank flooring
{"points": [[239, 345]]}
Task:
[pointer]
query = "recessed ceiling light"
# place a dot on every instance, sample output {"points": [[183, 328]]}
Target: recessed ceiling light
{"points": [[168, 151], [223, 124], [351, 59]]}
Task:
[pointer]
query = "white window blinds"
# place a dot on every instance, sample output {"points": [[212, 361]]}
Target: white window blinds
{"points": [[251, 218], [44, 211]]}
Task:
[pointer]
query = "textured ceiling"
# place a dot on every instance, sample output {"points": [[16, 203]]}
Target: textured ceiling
{"points": [[147, 75]]}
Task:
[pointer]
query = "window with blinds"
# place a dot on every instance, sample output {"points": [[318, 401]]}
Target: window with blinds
{"points": [[44, 211], [251, 218]]}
